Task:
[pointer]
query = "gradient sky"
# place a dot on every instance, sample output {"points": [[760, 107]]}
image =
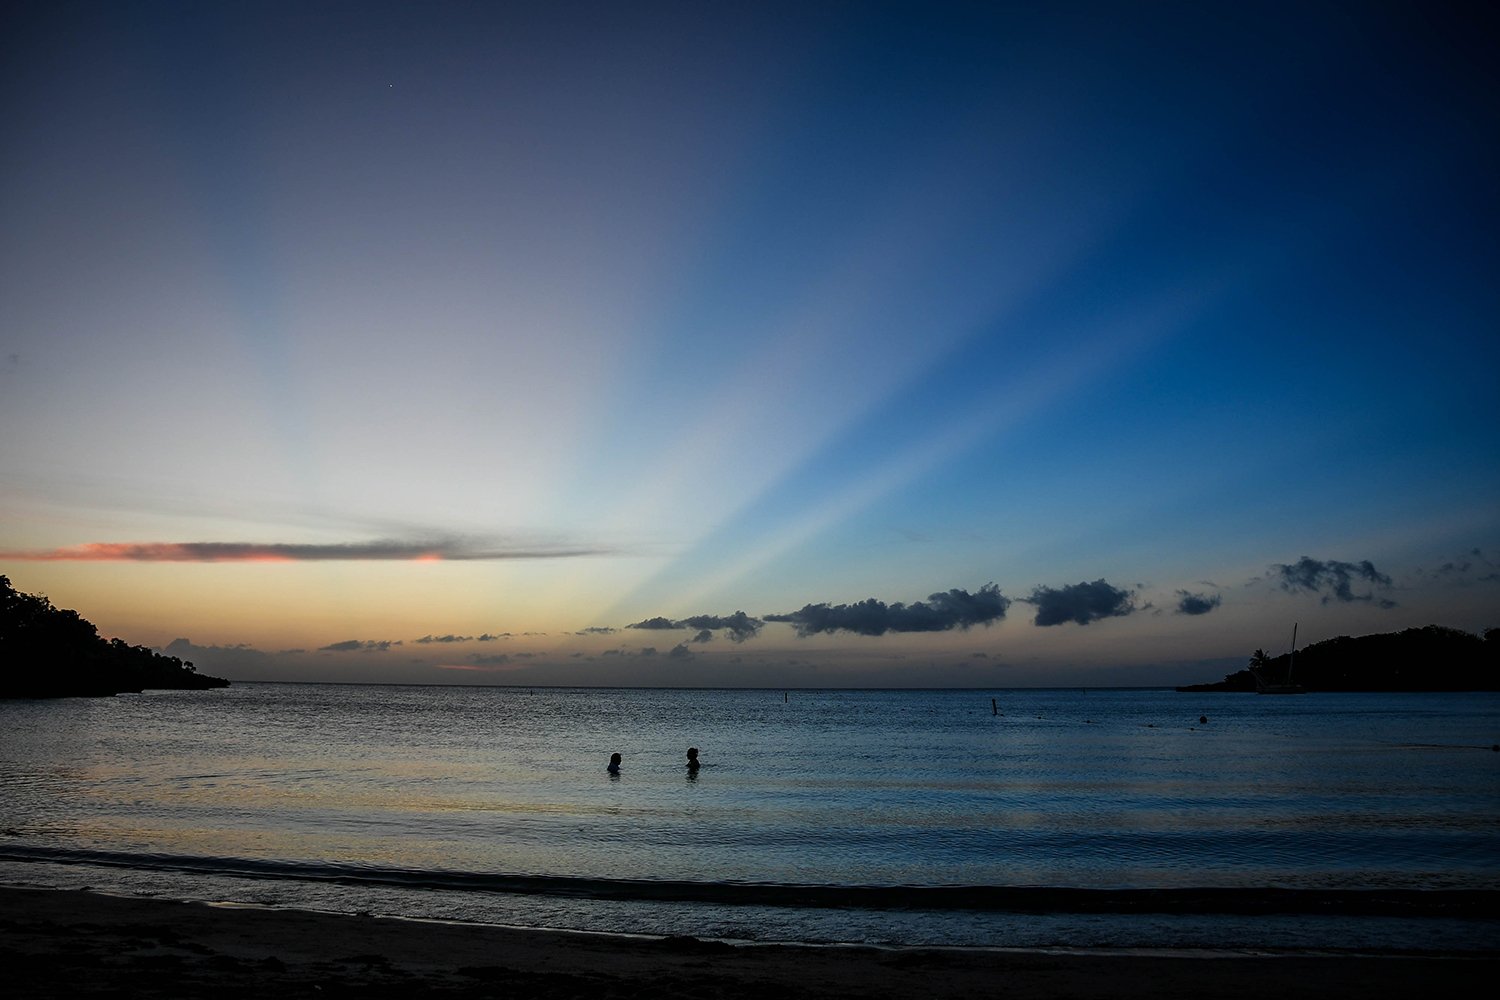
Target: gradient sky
{"points": [[446, 342]]}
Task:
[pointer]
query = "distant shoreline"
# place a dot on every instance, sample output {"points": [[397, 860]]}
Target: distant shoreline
{"points": [[1430, 658]]}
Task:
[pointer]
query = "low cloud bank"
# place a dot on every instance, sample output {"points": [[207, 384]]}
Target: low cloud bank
{"points": [[739, 625], [360, 646], [940, 612]]}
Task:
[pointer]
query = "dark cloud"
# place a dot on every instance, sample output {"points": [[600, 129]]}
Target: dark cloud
{"points": [[495, 660], [487, 637], [444, 638], [680, 651], [647, 651], [359, 646], [597, 630], [940, 612], [1197, 604], [1333, 579], [703, 636], [1079, 602], [440, 549], [657, 623], [739, 625]]}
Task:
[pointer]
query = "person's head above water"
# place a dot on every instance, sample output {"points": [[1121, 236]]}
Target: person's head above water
{"points": [[692, 760], [614, 762]]}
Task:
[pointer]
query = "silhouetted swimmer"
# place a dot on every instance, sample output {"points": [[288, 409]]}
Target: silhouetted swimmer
{"points": [[614, 764], [1202, 720], [692, 761]]}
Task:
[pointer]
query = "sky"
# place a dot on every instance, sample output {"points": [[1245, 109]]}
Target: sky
{"points": [[816, 344]]}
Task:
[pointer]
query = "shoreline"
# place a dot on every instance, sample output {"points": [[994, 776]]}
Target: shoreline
{"points": [[67, 942]]}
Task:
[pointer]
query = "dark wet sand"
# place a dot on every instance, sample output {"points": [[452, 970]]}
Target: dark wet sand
{"points": [[59, 943]]}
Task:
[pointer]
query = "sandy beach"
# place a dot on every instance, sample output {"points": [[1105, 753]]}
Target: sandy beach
{"points": [[57, 943]]}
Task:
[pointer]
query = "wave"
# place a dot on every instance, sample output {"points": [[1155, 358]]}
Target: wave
{"points": [[1020, 899]]}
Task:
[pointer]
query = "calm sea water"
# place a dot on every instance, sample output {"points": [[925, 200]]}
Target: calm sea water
{"points": [[493, 804]]}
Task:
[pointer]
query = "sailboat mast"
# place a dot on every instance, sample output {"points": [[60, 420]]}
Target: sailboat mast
{"points": [[1293, 661]]}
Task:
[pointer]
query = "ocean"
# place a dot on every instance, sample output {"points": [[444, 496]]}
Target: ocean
{"points": [[1092, 819]]}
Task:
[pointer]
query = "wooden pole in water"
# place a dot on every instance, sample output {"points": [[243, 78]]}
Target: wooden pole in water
{"points": [[994, 708]]}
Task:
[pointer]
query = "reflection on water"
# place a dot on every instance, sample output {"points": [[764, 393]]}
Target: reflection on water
{"points": [[1096, 789]]}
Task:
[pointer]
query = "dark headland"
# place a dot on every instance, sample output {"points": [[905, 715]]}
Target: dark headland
{"points": [[51, 652], [1431, 658]]}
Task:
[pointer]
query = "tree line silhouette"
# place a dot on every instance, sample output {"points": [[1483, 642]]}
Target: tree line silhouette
{"points": [[52, 652], [1430, 658]]}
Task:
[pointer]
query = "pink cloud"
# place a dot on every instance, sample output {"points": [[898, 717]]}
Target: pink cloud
{"points": [[422, 551]]}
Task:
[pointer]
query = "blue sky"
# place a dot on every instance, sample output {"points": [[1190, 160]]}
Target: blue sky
{"points": [[326, 328]]}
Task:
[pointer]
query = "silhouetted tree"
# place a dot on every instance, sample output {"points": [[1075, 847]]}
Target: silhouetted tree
{"points": [[49, 652], [1430, 658]]}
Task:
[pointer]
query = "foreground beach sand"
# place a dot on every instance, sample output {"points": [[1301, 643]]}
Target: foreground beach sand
{"points": [[59, 943]]}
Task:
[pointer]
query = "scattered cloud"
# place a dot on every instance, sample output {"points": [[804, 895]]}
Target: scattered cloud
{"points": [[444, 638], [703, 636], [442, 549], [1080, 602], [656, 623], [1471, 567], [495, 660], [360, 646], [941, 611], [1189, 603], [597, 630], [1333, 579], [739, 625], [680, 651], [487, 637]]}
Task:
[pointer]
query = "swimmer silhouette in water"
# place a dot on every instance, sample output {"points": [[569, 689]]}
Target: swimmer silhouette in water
{"points": [[614, 764], [692, 762]]}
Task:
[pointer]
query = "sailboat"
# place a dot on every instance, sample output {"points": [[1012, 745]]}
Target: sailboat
{"points": [[1262, 686]]}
